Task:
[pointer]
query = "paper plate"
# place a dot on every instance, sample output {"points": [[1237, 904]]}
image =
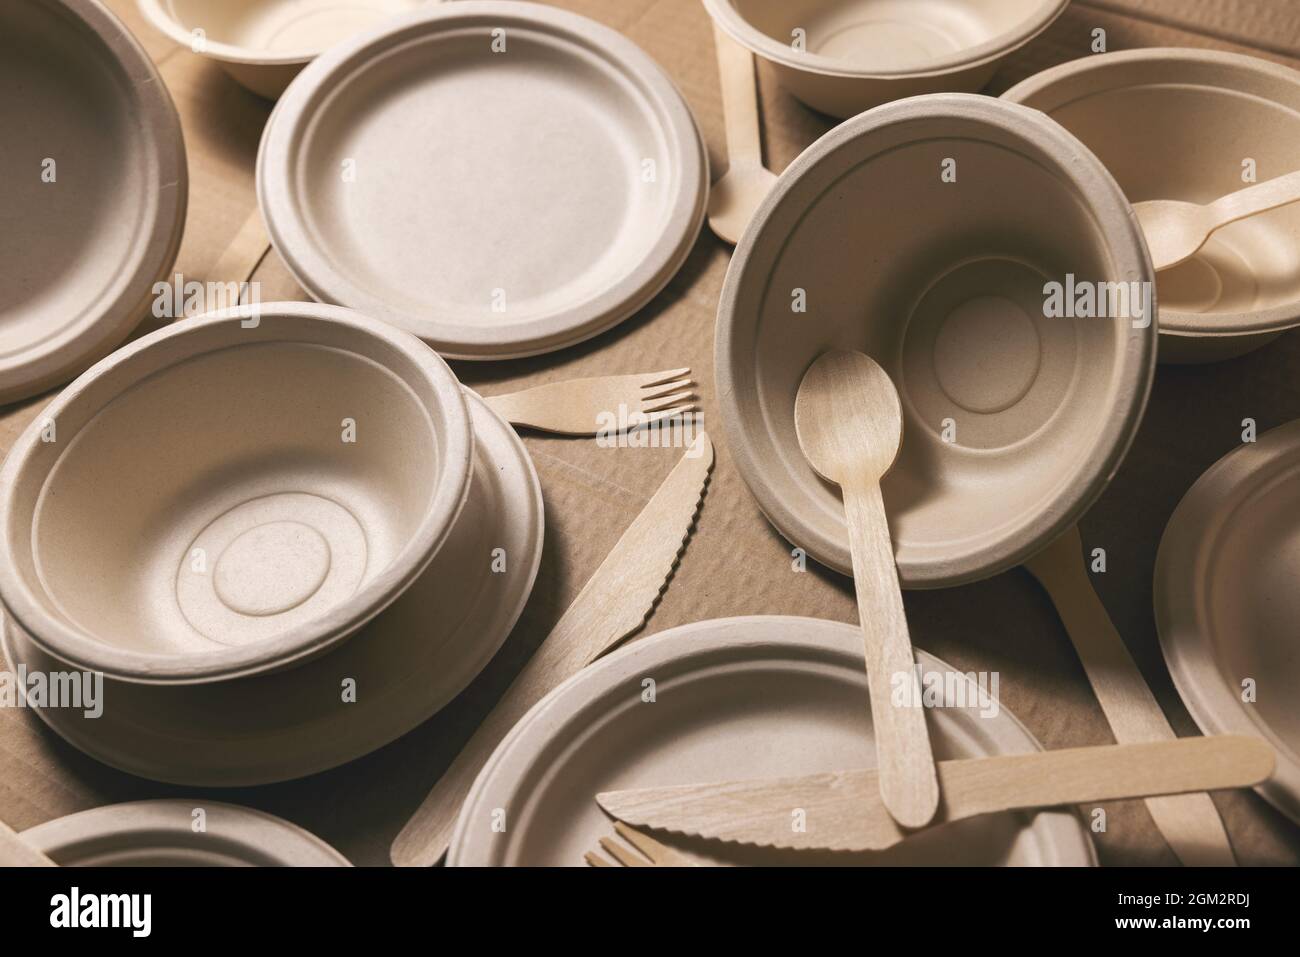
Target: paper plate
{"points": [[166, 834], [95, 189], [1227, 602], [501, 179], [732, 698], [404, 665]]}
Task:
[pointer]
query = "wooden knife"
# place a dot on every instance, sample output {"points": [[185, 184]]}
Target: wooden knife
{"points": [[842, 810], [615, 603]]}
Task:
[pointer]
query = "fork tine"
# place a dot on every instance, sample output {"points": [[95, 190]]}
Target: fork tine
{"points": [[651, 379], [668, 401], [621, 854], [595, 860], [667, 388]]}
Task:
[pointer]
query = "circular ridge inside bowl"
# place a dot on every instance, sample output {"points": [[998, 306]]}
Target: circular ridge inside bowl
{"points": [[230, 495], [1015, 418]]}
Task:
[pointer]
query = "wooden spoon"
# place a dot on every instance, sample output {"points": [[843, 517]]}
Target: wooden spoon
{"points": [[15, 852], [736, 195], [1176, 230], [850, 425]]}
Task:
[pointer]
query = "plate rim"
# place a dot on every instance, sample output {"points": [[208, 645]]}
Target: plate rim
{"points": [[304, 101], [686, 641]]}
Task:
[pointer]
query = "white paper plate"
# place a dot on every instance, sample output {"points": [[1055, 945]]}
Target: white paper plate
{"points": [[734, 698], [95, 189], [1227, 601], [501, 179], [406, 664], [165, 834]]}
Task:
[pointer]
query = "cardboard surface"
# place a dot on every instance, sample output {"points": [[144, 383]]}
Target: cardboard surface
{"points": [[736, 564]]}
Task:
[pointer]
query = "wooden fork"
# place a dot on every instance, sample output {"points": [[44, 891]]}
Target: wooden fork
{"points": [[653, 854], [609, 403]]}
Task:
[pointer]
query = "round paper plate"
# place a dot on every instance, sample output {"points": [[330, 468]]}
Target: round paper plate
{"points": [[733, 698], [404, 665], [95, 189], [501, 179], [164, 834], [1227, 604]]}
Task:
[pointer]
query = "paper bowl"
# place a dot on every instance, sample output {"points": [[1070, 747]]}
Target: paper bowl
{"points": [[1180, 124], [264, 44], [1014, 422], [845, 56], [164, 834], [215, 500], [95, 189]]}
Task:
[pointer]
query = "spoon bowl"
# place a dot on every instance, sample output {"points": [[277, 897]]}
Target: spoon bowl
{"points": [[735, 198], [848, 417]]}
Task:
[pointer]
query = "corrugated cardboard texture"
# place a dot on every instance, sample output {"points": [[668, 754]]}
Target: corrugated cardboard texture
{"points": [[736, 564]]}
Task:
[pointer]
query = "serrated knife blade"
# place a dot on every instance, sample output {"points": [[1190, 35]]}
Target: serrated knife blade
{"points": [[842, 810], [614, 603]]}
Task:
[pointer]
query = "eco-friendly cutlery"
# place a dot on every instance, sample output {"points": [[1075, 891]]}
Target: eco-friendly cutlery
{"points": [[1195, 124], [613, 604], [606, 403], [16, 852], [1176, 230], [842, 810], [95, 192], [736, 699], [1227, 605], [645, 851], [1189, 823], [1018, 407], [850, 425], [746, 183]]}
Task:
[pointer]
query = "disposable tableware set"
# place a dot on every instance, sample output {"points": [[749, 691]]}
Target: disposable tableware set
{"points": [[230, 516]]}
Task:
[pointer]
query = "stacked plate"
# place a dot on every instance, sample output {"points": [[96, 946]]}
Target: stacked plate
{"points": [[286, 536]]}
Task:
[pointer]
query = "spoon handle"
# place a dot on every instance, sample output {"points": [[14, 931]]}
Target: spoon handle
{"points": [[1256, 199], [1189, 822], [739, 101], [908, 784]]}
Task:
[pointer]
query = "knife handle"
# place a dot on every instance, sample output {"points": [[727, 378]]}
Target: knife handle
{"points": [[1190, 824], [1108, 773], [427, 835]]}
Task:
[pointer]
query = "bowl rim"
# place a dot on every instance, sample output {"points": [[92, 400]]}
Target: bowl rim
{"points": [[1189, 325], [725, 14], [102, 327], [159, 17], [70, 643], [1090, 180], [1178, 598], [281, 154]]}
